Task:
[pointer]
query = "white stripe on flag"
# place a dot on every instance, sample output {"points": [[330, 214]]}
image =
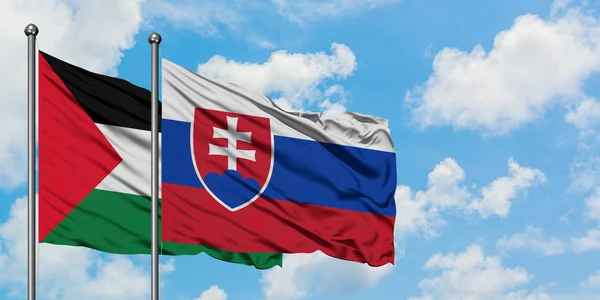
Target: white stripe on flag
{"points": [[183, 90], [132, 175]]}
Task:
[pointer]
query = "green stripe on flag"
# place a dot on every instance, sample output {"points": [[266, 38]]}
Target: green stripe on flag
{"points": [[119, 223]]}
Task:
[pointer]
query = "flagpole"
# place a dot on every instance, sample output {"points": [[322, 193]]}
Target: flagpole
{"points": [[31, 32], [154, 39]]}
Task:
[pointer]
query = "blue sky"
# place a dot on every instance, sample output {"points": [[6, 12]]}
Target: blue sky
{"points": [[491, 104]]}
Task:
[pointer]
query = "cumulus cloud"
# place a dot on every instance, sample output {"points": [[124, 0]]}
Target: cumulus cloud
{"points": [[306, 274], [593, 205], [589, 242], [420, 211], [213, 293], [69, 272], [533, 66], [593, 282], [585, 174], [586, 114], [91, 34], [535, 240], [293, 79], [532, 239], [473, 275], [496, 196]]}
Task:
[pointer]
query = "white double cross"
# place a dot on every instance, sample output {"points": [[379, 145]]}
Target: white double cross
{"points": [[231, 151]]}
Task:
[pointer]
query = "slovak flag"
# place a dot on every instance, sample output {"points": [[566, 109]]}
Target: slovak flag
{"points": [[241, 174]]}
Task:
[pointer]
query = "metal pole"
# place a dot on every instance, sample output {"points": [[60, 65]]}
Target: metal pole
{"points": [[31, 32], [154, 39]]}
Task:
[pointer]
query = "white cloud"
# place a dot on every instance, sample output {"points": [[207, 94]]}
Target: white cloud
{"points": [[335, 99], [421, 211], [524, 295], [532, 239], [91, 34], [593, 282], [296, 78], [593, 205], [203, 17], [261, 42], [472, 275], [533, 66], [306, 274], [585, 174], [69, 272], [414, 214], [167, 267], [446, 191], [443, 184], [213, 293], [586, 115], [589, 242], [301, 11], [497, 195], [116, 278], [559, 6]]}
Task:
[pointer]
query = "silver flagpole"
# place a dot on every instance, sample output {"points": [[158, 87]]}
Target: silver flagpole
{"points": [[154, 39], [31, 32]]}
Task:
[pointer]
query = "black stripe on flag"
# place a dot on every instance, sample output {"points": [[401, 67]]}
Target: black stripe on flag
{"points": [[107, 100]]}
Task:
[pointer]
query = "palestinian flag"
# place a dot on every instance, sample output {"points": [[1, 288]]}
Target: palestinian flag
{"points": [[94, 166]]}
